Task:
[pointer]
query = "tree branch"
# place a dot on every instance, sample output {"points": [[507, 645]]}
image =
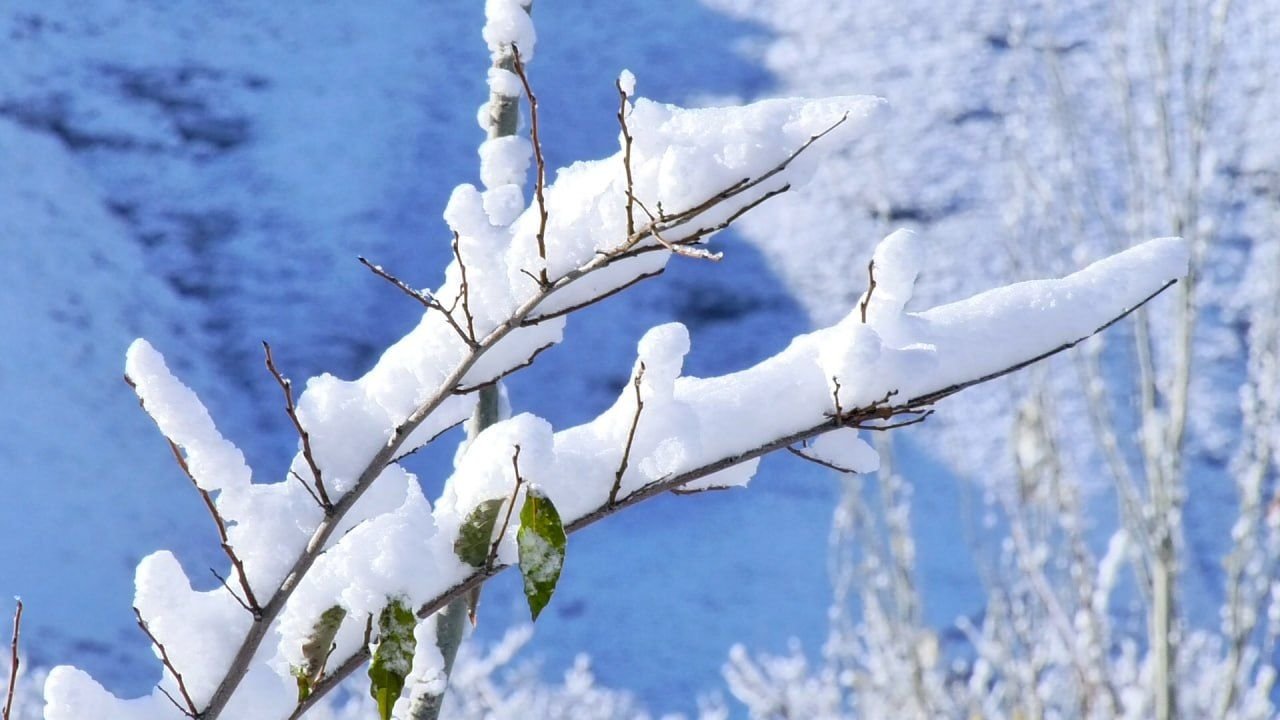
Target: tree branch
{"points": [[286, 387], [190, 710], [855, 418], [14, 661], [630, 247]]}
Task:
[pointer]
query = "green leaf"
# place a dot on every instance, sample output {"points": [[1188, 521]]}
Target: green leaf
{"points": [[393, 657], [541, 542], [476, 536], [316, 649]]}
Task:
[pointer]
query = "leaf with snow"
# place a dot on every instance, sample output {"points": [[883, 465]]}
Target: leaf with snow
{"points": [[476, 535], [541, 543], [393, 657], [316, 649]]}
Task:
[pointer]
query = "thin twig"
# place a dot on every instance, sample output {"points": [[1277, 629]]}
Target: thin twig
{"points": [[426, 299], [626, 157], [533, 356], [835, 397], [819, 461], [506, 519], [464, 292], [191, 711], [894, 426], [935, 396], [430, 440], [540, 182], [679, 247], [631, 437], [224, 540], [578, 306], [306, 487], [14, 661], [218, 521], [233, 593], [286, 387], [871, 287]]}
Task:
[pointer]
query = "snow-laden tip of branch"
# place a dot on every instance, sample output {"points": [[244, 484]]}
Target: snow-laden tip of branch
{"points": [[680, 442], [215, 463], [507, 23]]}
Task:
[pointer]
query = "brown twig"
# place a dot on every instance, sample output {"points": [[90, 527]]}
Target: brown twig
{"points": [[540, 181], [224, 540], [835, 397], [631, 437], [819, 461], [626, 157], [464, 293], [921, 417], [233, 593], [683, 246], [871, 287], [218, 521], [191, 710], [506, 519], [306, 487], [286, 387], [430, 440], [14, 661], [578, 306], [426, 299], [533, 356]]}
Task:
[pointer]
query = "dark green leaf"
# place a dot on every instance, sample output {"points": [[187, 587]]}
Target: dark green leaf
{"points": [[476, 535], [393, 657], [541, 542], [316, 649]]}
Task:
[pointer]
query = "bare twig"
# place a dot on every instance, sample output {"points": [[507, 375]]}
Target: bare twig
{"points": [[935, 396], [631, 437], [540, 181], [532, 356], [14, 661], [306, 487], [871, 287], [233, 593], [586, 303], [835, 398], [923, 415], [819, 461], [683, 246], [218, 521], [464, 293], [190, 710], [426, 299], [626, 157], [286, 387], [506, 519]]}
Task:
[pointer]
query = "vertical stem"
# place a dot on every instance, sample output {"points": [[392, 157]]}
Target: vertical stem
{"points": [[504, 120]]}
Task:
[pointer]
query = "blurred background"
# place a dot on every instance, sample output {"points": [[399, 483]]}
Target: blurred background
{"points": [[205, 174]]}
